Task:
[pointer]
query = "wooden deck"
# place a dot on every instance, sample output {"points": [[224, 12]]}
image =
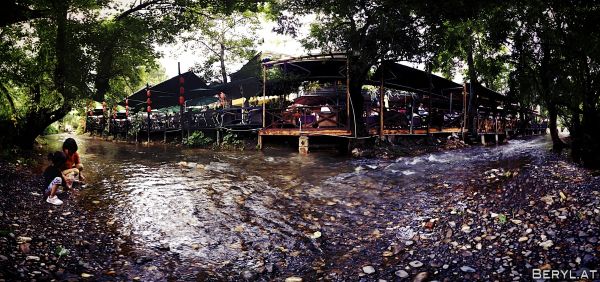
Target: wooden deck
{"points": [[415, 131], [305, 132]]}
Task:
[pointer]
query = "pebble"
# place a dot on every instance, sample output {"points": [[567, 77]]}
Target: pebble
{"points": [[415, 264], [247, 274], [401, 273], [546, 244], [422, 276], [467, 269], [523, 239], [293, 279], [368, 269], [36, 258]]}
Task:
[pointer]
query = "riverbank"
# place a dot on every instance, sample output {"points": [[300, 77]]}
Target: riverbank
{"points": [[542, 215], [478, 214], [40, 241]]}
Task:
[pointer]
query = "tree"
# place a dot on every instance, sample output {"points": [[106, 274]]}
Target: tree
{"points": [[53, 61], [469, 32], [224, 39], [368, 31]]}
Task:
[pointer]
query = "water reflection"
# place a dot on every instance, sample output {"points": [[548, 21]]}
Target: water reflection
{"points": [[243, 210]]}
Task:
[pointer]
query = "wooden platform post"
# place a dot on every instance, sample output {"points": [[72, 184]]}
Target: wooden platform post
{"points": [[260, 142], [497, 139], [303, 145], [264, 94], [381, 107], [483, 139]]}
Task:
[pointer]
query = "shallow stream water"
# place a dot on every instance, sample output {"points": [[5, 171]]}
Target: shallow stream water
{"points": [[202, 213]]}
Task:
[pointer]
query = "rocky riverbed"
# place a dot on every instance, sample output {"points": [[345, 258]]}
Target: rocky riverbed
{"points": [[488, 214]]}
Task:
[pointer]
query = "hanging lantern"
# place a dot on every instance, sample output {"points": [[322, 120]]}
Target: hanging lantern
{"points": [[149, 109], [127, 111], [181, 80], [148, 101], [126, 102], [181, 90], [90, 113], [181, 100], [148, 94]]}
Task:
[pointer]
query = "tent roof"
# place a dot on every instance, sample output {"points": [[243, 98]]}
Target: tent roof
{"points": [[252, 68], [317, 67], [398, 76], [247, 87], [488, 98], [166, 93]]}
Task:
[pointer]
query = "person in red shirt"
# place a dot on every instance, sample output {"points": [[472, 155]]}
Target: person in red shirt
{"points": [[72, 166]]}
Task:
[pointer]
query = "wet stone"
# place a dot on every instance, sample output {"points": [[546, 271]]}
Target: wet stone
{"points": [[422, 276], [368, 269], [467, 269], [401, 273], [415, 264]]}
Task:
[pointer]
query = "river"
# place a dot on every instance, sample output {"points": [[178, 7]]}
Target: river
{"points": [[194, 213]]}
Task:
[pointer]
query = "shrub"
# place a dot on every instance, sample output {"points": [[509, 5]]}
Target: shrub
{"points": [[197, 139]]}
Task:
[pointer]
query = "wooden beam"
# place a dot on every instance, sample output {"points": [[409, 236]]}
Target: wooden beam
{"points": [[307, 132], [381, 106], [264, 106]]}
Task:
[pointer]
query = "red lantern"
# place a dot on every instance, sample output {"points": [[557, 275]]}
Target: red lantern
{"points": [[148, 101], [149, 109], [148, 94], [181, 80], [181, 100], [181, 90], [126, 102], [91, 113]]}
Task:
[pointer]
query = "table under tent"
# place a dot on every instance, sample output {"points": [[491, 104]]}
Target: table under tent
{"points": [[205, 108], [414, 102], [313, 102]]}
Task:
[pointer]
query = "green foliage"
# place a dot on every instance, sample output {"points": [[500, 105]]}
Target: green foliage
{"points": [[63, 53], [197, 139], [231, 142], [51, 129], [223, 40], [136, 125], [501, 218], [61, 252]]}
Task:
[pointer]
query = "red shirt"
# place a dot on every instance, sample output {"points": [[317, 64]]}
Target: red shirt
{"points": [[72, 161]]}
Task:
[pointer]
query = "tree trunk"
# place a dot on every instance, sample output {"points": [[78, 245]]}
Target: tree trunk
{"points": [[590, 127], [472, 107], [358, 75], [575, 134], [557, 144], [222, 59], [24, 133], [548, 97]]}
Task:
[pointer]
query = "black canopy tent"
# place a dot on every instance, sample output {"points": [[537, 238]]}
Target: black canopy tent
{"points": [[488, 99], [313, 68], [400, 77], [243, 88], [166, 93]]}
